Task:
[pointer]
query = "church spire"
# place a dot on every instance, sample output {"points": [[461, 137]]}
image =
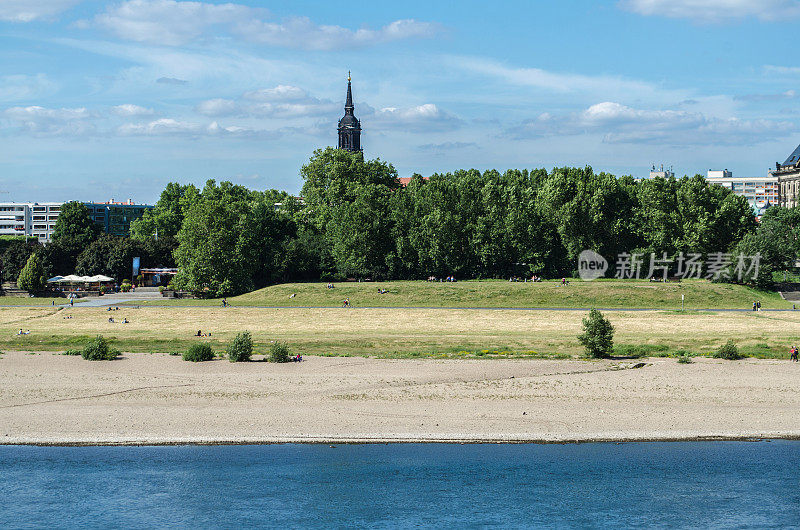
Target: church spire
{"points": [[349, 126], [348, 104]]}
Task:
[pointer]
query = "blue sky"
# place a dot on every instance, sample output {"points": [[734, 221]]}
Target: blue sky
{"points": [[115, 99]]}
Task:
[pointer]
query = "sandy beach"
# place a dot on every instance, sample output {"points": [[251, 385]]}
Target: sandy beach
{"points": [[156, 398]]}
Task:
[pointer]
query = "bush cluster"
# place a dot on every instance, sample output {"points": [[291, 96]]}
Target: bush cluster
{"points": [[597, 336], [198, 353], [241, 349], [98, 350], [279, 353], [728, 351]]}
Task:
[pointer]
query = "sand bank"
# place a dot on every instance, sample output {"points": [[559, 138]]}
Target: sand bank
{"points": [[157, 398]]}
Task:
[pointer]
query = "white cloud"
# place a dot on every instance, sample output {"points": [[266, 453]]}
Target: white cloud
{"points": [[218, 107], [41, 121], [301, 32], [715, 10], [599, 86], [167, 21], [173, 23], [172, 127], [17, 87], [129, 109], [279, 93], [782, 70], [617, 123], [282, 101], [30, 10], [422, 118]]}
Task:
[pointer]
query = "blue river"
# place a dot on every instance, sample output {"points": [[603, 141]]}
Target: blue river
{"points": [[670, 484]]}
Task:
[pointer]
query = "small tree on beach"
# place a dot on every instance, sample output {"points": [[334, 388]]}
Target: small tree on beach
{"points": [[597, 336], [241, 348], [199, 353], [279, 353], [728, 351], [98, 350]]}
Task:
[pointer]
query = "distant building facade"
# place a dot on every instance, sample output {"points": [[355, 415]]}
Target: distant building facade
{"points": [[349, 125], [661, 172], [38, 219], [788, 175], [761, 192]]}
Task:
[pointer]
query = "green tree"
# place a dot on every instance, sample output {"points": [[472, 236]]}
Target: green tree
{"points": [[241, 349], [590, 211], [348, 199], [166, 218], [73, 233], [777, 243], [111, 256], [32, 277], [597, 336], [16, 256], [220, 245]]}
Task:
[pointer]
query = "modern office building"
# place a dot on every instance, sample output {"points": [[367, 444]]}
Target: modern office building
{"points": [[116, 217], [760, 192], [38, 219]]}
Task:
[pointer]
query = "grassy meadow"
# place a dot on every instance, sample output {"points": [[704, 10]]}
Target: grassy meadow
{"points": [[399, 333], [698, 294]]}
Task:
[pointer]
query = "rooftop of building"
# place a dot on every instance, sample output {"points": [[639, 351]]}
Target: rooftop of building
{"points": [[793, 158]]}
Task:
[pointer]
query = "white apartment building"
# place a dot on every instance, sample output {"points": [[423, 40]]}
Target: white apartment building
{"points": [[760, 192], [31, 219], [38, 219]]}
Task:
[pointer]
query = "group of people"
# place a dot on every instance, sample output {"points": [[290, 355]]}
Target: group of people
{"points": [[124, 321], [329, 286], [450, 279], [201, 334], [346, 302], [793, 354], [757, 305], [26, 332], [382, 291], [564, 281]]}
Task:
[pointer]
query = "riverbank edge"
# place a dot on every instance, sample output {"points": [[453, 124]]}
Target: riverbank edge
{"points": [[339, 440]]}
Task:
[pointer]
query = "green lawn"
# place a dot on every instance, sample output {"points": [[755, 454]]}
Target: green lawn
{"points": [[27, 301], [698, 294]]}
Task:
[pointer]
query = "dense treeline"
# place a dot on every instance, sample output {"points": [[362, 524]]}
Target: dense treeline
{"points": [[355, 220]]}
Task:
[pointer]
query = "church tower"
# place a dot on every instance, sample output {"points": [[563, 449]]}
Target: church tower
{"points": [[349, 126]]}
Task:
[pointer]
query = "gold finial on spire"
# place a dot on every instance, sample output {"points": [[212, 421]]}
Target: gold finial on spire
{"points": [[348, 76]]}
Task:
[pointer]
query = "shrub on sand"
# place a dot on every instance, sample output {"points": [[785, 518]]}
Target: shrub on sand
{"points": [[241, 348], [198, 353], [98, 350], [279, 353], [597, 336], [728, 351]]}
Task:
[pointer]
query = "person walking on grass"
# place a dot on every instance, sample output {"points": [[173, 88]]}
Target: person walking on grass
{"points": [[793, 354]]}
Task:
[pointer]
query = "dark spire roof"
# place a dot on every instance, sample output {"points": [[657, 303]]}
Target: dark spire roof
{"points": [[348, 104], [794, 158]]}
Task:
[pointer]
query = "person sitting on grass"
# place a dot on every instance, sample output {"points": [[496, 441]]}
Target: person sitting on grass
{"points": [[199, 333]]}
